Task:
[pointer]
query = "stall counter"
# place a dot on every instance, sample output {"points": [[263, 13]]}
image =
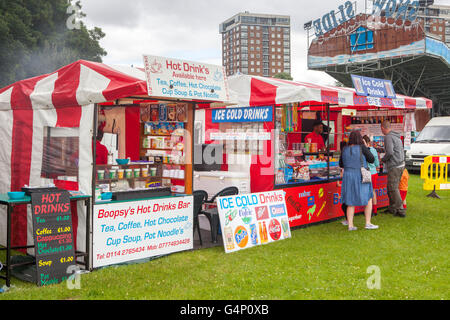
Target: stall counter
{"points": [[319, 201]]}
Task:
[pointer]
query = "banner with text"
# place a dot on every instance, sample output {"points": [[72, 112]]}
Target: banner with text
{"points": [[141, 229], [173, 78], [373, 87], [248, 220]]}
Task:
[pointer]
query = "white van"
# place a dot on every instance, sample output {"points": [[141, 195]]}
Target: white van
{"points": [[433, 140]]}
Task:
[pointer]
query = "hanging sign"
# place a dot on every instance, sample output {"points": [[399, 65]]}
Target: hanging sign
{"points": [[180, 79], [373, 87], [53, 236]]}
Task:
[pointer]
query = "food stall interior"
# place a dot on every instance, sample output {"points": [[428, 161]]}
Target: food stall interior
{"points": [[298, 160], [143, 148]]}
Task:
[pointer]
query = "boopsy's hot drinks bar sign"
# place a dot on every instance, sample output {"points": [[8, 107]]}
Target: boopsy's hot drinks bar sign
{"points": [[249, 220], [180, 79], [135, 230]]}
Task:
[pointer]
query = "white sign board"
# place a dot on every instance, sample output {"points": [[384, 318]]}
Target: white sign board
{"points": [[173, 78], [248, 220], [129, 231]]}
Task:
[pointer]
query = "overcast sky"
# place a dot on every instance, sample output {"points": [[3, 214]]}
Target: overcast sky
{"points": [[190, 29]]}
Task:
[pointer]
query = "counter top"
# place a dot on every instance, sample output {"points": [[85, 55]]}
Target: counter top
{"points": [[100, 202], [4, 199]]}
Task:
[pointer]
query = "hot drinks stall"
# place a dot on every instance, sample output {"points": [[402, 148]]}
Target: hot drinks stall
{"points": [[292, 140], [118, 137]]}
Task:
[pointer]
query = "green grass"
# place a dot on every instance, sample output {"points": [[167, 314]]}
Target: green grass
{"points": [[319, 262]]}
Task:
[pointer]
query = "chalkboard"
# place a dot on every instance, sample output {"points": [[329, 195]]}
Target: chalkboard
{"points": [[53, 236]]}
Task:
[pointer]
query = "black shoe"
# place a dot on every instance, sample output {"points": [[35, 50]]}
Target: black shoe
{"points": [[401, 215]]}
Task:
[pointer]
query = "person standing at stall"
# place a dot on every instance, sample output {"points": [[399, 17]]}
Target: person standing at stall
{"points": [[373, 170], [101, 152], [316, 135], [394, 160], [354, 191]]}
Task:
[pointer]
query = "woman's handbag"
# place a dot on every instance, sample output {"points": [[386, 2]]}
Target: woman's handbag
{"points": [[366, 176]]}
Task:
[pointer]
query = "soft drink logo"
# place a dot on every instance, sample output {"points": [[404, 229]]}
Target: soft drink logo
{"points": [[277, 210], [246, 215], [311, 201], [253, 234], [262, 213], [241, 236], [229, 216], [275, 229]]}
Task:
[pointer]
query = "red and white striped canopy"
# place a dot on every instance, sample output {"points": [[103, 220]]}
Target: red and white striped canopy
{"points": [[78, 84], [258, 91]]}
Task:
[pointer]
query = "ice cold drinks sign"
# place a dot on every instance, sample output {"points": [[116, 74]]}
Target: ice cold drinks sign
{"points": [[173, 78], [248, 220], [373, 87]]}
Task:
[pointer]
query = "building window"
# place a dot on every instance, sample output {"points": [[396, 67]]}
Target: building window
{"points": [[362, 39]]}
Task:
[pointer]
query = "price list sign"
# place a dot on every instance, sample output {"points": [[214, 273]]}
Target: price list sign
{"points": [[53, 236]]}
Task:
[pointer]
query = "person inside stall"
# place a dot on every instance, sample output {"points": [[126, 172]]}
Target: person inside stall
{"points": [[101, 153], [316, 135]]}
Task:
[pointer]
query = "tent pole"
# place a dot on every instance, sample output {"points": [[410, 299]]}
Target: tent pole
{"points": [[94, 170], [328, 141]]}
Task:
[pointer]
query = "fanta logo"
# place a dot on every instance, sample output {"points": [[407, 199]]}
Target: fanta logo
{"points": [[262, 213], [277, 210], [241, 236], [275, 229]]}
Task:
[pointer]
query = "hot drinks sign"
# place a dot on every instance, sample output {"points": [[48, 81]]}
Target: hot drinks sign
{"points": [[173, 78], [248, 220]]}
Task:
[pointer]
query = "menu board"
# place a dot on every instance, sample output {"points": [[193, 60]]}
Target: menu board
{"points": [[53, 236], [249, 220]]}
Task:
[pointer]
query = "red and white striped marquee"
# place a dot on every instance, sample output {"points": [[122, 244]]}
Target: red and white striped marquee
{"points": [[258, 91]]}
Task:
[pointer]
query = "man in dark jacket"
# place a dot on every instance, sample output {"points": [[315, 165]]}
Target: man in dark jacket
{"points": [[394, 161]]}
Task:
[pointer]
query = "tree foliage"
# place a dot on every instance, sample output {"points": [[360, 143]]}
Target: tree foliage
{"points": [[284, 76], [35, 39]]}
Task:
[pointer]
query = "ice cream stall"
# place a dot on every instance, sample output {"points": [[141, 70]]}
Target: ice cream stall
{"points": [[295, 144]]}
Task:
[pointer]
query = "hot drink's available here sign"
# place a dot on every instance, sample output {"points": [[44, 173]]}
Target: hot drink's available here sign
{"points": [[53, 236], [173, 78], [141, 229], [248, 220]]}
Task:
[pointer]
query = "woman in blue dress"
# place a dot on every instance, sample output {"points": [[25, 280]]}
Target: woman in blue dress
{"points": [[354, 192]]}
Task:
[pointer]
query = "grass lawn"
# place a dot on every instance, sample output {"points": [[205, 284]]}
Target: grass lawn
{"points": [[319, 262]]}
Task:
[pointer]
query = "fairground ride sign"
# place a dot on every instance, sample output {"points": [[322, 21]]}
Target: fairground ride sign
{"points": [[397, 9]]}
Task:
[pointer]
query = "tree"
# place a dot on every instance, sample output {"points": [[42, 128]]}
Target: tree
{"points": [[283, 75], [35, 39]]}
